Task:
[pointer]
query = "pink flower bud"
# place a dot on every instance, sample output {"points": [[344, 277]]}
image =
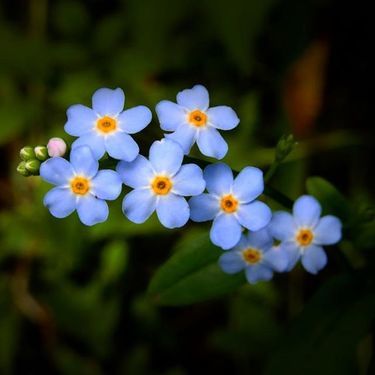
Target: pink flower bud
{"points": [[56, 147]]}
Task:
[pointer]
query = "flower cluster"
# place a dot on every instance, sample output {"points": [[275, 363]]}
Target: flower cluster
{"points": [[242, 224]]}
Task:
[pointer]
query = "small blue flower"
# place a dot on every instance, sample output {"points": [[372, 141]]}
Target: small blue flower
{"points": [[254, 254], [231, 203], [280, 252], [106, 127], [79, 186], [303, 233], [191, 120], [160, 184]]}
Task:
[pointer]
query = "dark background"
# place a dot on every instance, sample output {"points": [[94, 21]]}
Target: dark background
{"points": [[73, 299]]}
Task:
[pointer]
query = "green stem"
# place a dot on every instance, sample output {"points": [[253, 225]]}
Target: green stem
{"points": [[278, 197], [271, 171]]}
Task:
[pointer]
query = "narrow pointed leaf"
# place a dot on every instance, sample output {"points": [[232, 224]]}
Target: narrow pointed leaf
{"points": [[192, 274]]}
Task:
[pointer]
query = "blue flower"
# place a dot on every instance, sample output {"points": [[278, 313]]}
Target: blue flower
{"points": [[231, 203], [303, 233], [160, 184], [254, 254], [191, 120], [79, 186], [106, 127]]}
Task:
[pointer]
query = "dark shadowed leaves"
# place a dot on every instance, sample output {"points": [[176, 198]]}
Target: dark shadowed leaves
{"points": [[192, 274], [325, 336]]}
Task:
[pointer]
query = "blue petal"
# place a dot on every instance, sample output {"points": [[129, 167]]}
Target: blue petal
{"points": [[203, 207], [60, 202], [135, 119], [108, 102], [173, 211], [92, 140], [223, 117], [258, 273], [83, 161], [137, 173], [293, 253], [107, 185], [249, 184], [91, 210], [306, 211], [328, 231], [242, 244], [277, 259], [254, 216], [314, 259], [185, 136], [232, 262], [170, 115], [138, 205], [219, 178], [166, 156], [260, 239], [211, 143], [56, 171], [194, 98], [121, 146], [189, 180], [225, 231], [81, 120], [282, 226]]}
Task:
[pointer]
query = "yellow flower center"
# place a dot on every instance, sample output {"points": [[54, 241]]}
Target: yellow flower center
{"points": [[197, 118], [252, 256], [106, 124], [304, 237], [80, 185], [161, 185], [229, 203]]}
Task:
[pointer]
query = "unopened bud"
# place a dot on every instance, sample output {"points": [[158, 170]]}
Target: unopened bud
{"points": [[21, 169], [27, 153], [284, 147], [41, 152], [56, 147], [33, 166]]}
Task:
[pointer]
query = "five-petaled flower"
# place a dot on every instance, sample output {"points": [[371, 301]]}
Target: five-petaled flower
{"points": [[191, 120], [254, 254], [106, 127], [303, 233], [80, 186], [160, 184], [231, 203]]}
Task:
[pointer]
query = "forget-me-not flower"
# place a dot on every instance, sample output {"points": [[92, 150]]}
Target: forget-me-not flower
{"points": [[230, 203], [106, 127], [160, 184], [255, 255], [303, 233], [80, 186], [191, 120]]}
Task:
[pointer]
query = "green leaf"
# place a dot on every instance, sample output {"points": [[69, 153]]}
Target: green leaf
{"points": [[113, 262], [325, 337], [332, 201], [192, 274]]}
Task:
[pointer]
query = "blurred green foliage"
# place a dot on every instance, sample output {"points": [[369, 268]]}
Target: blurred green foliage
{"points": [[78, 300]]}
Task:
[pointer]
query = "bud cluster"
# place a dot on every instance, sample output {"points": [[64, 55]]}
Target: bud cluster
{"points": [[32, 157]]}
